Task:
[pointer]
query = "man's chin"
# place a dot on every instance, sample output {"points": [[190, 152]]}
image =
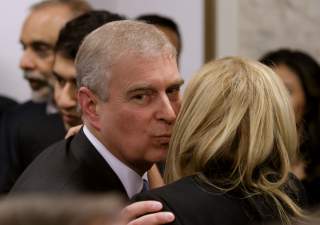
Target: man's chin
{"points": [[161, 155], [41, 95]]}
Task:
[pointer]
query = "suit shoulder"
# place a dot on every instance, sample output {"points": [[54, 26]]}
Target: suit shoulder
{"points": [[48, 171]]}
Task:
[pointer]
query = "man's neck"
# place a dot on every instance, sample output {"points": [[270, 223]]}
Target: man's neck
{"points": [[139, 167], [131, 180]]}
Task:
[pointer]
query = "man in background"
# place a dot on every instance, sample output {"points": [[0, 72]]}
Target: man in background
{"points": [[129, 93], [64, 71], [168, 26], [34, 125], [6, 103]]}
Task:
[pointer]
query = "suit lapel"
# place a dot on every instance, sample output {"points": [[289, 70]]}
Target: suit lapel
{"points": [[97, 173]]}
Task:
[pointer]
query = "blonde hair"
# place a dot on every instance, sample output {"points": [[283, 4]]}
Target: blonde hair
{"points": [[236, 111]]}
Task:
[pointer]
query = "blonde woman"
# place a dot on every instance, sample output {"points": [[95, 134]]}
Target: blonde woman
{"points": [[231, 148]]}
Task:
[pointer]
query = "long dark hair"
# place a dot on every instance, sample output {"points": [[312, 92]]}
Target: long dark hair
{"points": [[308, 71]]}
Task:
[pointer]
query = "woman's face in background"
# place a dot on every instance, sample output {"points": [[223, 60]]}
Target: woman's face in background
{"points": [[295, 88]]}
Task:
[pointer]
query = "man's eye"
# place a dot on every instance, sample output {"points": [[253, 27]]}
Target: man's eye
{"points": [[173, 93], [60, 81], [173, 90], [43, 51], [141, 98]]}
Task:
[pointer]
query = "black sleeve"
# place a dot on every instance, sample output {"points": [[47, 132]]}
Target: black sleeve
{"points": [[152, 196]]}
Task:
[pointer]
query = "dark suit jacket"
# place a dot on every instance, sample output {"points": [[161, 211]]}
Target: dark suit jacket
{"points": [[196, 203], [69, 166], [24, 133], [6, 104]]}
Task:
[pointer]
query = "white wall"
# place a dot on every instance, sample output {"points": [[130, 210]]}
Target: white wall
{"points": [[188, 15], [250, 28], [226, 28], [11, 82]]}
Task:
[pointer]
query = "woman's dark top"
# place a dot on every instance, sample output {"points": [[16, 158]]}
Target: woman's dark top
{"points": [[196, 202]]}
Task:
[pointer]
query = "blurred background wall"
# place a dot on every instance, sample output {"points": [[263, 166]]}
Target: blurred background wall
{"points": [[187, 14], [210, 28]]}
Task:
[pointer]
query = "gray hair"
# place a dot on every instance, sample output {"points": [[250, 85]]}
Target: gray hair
{"points": [[106, 45]]}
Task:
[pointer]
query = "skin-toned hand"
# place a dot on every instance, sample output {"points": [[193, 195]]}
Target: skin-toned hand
{"points": [[145, 213], [73, 131]]}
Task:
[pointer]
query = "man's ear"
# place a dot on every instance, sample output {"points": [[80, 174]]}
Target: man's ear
{"points": [[88, 102]]}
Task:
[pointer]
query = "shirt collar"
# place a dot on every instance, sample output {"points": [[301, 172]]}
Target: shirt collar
{"points": [[132, 182]]}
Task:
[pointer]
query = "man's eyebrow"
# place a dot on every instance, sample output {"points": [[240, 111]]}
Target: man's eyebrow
{"points": [[140, 87], [178, 83], [148, 87], [37, 42], [41, 43]]}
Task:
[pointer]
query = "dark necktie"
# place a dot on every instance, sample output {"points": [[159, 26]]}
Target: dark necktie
{"points": [[145, 186]]}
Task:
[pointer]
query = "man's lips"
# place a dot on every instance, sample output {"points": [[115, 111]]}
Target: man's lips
{"points": [[37, 84], [162, 135], [163, 139]]}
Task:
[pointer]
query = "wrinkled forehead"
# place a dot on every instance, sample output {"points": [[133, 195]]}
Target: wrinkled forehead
{"points": [[145, 63], [158, 70]]}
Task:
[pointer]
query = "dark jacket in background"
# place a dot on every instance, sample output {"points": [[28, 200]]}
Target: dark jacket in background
{"points": [[25, 132], [69, 166], [6, 104]]}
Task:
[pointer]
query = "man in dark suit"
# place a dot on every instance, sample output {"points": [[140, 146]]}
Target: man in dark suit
{"points": [[128, 92], [34, 125], [6, 104], [68, 43]]}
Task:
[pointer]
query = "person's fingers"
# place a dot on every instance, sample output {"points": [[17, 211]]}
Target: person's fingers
{"points": [[72, 131], [137, 209], [153, 219]]}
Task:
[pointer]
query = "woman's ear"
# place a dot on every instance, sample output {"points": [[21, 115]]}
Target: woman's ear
{"points": [[88, 102]]}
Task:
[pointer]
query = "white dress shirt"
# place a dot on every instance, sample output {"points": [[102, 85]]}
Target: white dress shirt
{"points": [[132, 182]]}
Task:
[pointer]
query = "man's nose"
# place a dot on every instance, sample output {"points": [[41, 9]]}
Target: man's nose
{"points": [[27, 60], [67, 97], [166, 111]]}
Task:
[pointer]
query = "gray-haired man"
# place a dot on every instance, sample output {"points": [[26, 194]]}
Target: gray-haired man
{"points": [[128, 91]]}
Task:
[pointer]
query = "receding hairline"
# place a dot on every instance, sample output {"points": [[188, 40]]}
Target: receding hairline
{"points": [[105, 46], [76, 7], [116, 28]]}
